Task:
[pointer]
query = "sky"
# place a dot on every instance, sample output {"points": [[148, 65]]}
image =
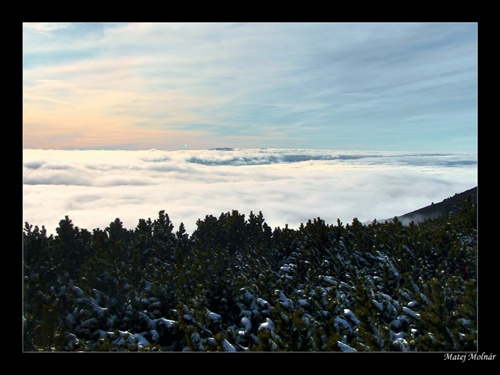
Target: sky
{"points": [[193, 86]]}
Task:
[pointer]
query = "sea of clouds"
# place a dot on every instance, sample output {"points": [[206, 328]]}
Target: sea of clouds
{"points": [[94, 187]]}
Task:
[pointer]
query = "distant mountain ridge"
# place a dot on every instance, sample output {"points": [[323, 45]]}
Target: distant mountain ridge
{"points": [[449, 205]]}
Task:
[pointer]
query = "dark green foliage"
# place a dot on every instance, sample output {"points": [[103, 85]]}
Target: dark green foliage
{"points": [[237, 284]]}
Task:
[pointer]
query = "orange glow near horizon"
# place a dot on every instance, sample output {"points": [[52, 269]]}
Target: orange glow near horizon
{"points": [[107, 119]]}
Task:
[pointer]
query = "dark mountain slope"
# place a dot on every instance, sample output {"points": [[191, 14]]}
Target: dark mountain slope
{"points": [[449, 205]]}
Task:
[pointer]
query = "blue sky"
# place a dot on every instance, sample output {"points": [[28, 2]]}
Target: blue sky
{"points": [[359, 86]]}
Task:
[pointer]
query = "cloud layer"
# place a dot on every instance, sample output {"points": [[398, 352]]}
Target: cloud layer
{"points": [[289, 186]]}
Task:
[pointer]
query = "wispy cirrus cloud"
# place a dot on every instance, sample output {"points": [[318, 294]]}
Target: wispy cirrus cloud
{"points": [[307, 85]]}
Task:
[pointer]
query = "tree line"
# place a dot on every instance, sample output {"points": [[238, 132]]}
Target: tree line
{"points": [[236, 284]]}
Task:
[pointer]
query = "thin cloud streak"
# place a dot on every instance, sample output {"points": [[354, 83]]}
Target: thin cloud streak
{"points": [[288, 186]]}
